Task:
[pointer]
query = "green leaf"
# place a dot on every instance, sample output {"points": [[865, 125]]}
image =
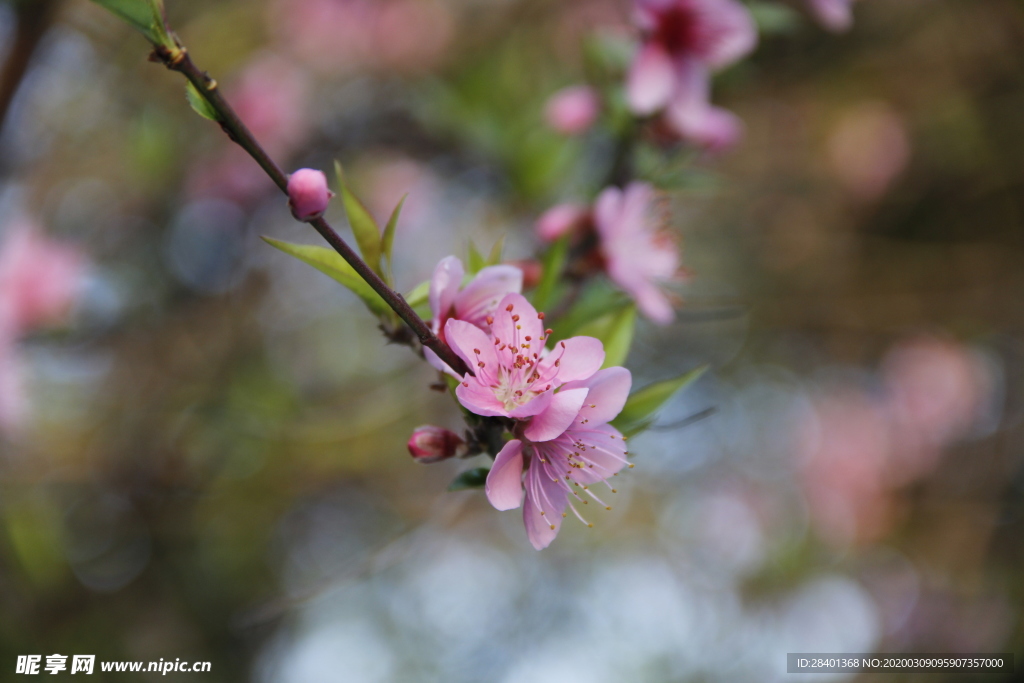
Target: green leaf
{"points": [[553, 264], [387, 243], [332, 264], [494, 258], [475, 260], [364, 227], [775, 19], [199, 103], [419, 294], [638, 413], [470, 479], [615, 330], [145, 16]]}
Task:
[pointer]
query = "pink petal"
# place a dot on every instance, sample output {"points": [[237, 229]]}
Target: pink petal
{"points": [[514, 331], [444, 285], [609, 389], [535, 406], [479, 399], [542, 511], [560, 413], [504, 485], [435, 362], [726, 32], [651, 80], [652, 302], [607, 210], [606, 450], [577, 358], [481, 296], [472, 345], [572, 110]]}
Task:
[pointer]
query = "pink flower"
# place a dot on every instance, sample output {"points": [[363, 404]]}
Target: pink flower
{"points": [[308, 194], [572, 110], [39, 279], [475, 302], [685, 40], [835, 15], [515, 376], [429, 444], [563, 461], [639, 256]]}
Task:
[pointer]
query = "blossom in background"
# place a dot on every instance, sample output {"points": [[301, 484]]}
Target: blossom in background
{"points": [[634, 247], [474, 302], [835, 15], [39, 280], [563, 463], [572, 110], [868, 149], [684, 42], [308, 194], [639, 254], [430, 444]]}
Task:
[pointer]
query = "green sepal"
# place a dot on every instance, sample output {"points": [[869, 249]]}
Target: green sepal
{"points": [[475, 261], [199, 104], [470, 479], [364, 227], [615, 330], [494, 258], [334, 266], [638, 413]]}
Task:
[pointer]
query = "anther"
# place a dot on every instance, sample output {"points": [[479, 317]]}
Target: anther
{"points": [[515, 318], [541, 315], [509, 307]]}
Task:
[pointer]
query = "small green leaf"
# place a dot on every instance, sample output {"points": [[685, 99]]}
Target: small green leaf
{"points": [[774, 19], [638, 413], [145, 16], [332, 264], [364, 227], [615, 330], [494, 258], [387, 243], [475, 261], [419, 294], [553, 264], [199, 103], [470, 479]]}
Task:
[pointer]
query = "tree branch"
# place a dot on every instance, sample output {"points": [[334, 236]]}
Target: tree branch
{"points": [[179, 60]]}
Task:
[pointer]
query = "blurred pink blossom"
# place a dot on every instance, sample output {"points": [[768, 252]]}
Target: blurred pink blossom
{"points": [[835, 15], [684, 42], [39, 280], [566, 455], [572, 110], [868, 149], [348, 35], [860, 448], [430, 444], [308, 194], [271, 96], [640, 256]]}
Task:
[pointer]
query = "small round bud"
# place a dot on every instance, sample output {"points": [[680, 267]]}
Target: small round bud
{"points": [[432, 444], [308, 194]]}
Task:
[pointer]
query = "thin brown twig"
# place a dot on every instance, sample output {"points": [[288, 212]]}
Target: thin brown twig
{"points": [[179, 60]]}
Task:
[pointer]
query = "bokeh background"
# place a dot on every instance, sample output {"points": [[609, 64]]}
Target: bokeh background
{"points": [[212, 464]]}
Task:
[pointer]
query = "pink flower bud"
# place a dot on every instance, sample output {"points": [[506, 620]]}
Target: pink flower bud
{"points": [[562, 219], [308, 194], [572, 110], [432, 444]]}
